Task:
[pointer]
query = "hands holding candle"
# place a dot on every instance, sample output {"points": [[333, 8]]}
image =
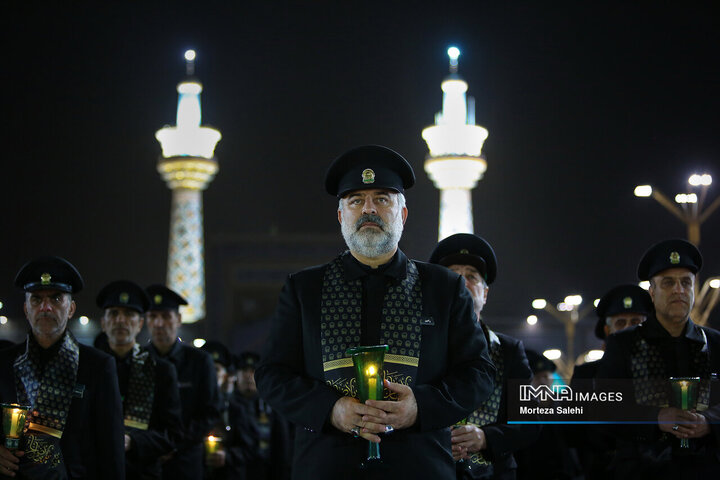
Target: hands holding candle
{"points": [[375, 416]]}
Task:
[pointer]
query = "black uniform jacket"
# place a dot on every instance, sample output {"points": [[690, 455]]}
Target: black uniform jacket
{"points": [[200, 402], [454, 377], [647, 439], [503, 439], [165, 426], [92, 443]]}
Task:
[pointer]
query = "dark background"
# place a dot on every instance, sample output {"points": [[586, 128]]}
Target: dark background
{"points": [[582, 102]]}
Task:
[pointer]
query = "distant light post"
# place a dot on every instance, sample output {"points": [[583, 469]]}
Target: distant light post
{"points": [[690, 211], [568, 312], [692, 214]]}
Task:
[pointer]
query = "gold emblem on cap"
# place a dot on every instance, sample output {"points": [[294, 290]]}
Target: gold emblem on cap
{"points": [[368, 175], [627, 302], [216, 355], [464, 251], [674, 258], [45, 279], [157, 299], [124, 297]]}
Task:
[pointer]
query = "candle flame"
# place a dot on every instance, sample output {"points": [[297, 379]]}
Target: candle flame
{"points": [[371, 370], [211, 438]]}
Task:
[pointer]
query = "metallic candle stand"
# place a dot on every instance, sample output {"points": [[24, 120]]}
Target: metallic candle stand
{"points": [[368, 363], [685, 395], [13, 421]]}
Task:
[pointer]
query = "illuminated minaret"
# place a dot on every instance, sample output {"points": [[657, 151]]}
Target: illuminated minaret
{"points": [[455, 162], [188, 165]]}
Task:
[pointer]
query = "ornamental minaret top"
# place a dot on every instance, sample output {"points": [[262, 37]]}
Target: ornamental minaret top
{"points": [[455, 162]]}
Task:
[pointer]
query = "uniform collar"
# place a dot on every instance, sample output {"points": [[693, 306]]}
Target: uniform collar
{"points": [[652, 328], [395, 268]]}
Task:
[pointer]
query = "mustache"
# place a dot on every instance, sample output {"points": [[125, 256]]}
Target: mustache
{"points": [[369, 217]]}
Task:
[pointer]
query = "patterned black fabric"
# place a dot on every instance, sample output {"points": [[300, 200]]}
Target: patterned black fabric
{"points": [[48, 390], [137, 404], [487, 414], [650, 376], [341, 312]]}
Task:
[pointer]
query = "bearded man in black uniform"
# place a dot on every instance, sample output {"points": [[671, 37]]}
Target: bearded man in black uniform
{"points": [[148, 385], [197, 382], [74, 426], [668, 344], [484, 446], [437, 370]]}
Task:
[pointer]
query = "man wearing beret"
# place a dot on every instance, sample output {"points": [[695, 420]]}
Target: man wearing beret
{"points": [[148, 385], [437, 369], [486, 443], [74, 425], [668, 344], [622, 307], [197, 382]]}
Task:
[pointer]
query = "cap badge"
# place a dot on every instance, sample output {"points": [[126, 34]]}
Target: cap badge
{"points": [[157, 299], [368, 175], [216, 355], [124, 297], [464, 251], [674, 258], [45, 279], [627, 302]]}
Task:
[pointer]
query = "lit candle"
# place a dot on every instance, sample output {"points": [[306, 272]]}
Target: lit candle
{"points": [[212, 444], [15, 428], [372, 382], [684, 386]]}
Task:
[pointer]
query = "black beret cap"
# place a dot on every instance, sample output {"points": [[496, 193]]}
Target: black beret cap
{"points": [[466, 249], [368, 166], [621, 299], [539, 363], [162, 298], [49, 273], [247, 360], [676, 253], [123, 293], [219, 352]]}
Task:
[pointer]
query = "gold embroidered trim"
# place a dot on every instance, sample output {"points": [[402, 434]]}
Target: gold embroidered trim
{"points": [[135, 424], [43, 429]]}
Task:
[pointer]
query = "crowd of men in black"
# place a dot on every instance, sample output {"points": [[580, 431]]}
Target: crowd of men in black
{"points": [[169, 410]]}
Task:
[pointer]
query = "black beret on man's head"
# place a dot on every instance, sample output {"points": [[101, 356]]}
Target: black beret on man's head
{"points": [[49, 273], [539, 362], [621, 299], [675, 253], [123, 293], [466, 249], [162, 298], [366, 167]]}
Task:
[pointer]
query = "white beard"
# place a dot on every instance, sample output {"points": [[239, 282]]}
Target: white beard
{"points": [[370, 242]]}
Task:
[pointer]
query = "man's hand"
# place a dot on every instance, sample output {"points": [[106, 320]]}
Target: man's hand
{"points": [[9, 461], [682, 423], [348, 413], [128, 442], [395, 414], [216, 460], [467, 439]]}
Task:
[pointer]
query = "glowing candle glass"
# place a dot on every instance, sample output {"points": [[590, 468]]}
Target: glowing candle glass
{"points": [[685, 394], [13, 421], [368, 363], [213, 444]]}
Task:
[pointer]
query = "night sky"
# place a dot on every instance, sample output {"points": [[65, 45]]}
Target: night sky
{"points": [[582, 103]]}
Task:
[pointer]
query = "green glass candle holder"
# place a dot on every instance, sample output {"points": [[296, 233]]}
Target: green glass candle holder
{"points": [[368, 363], [13, 422], [684, 397]]}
